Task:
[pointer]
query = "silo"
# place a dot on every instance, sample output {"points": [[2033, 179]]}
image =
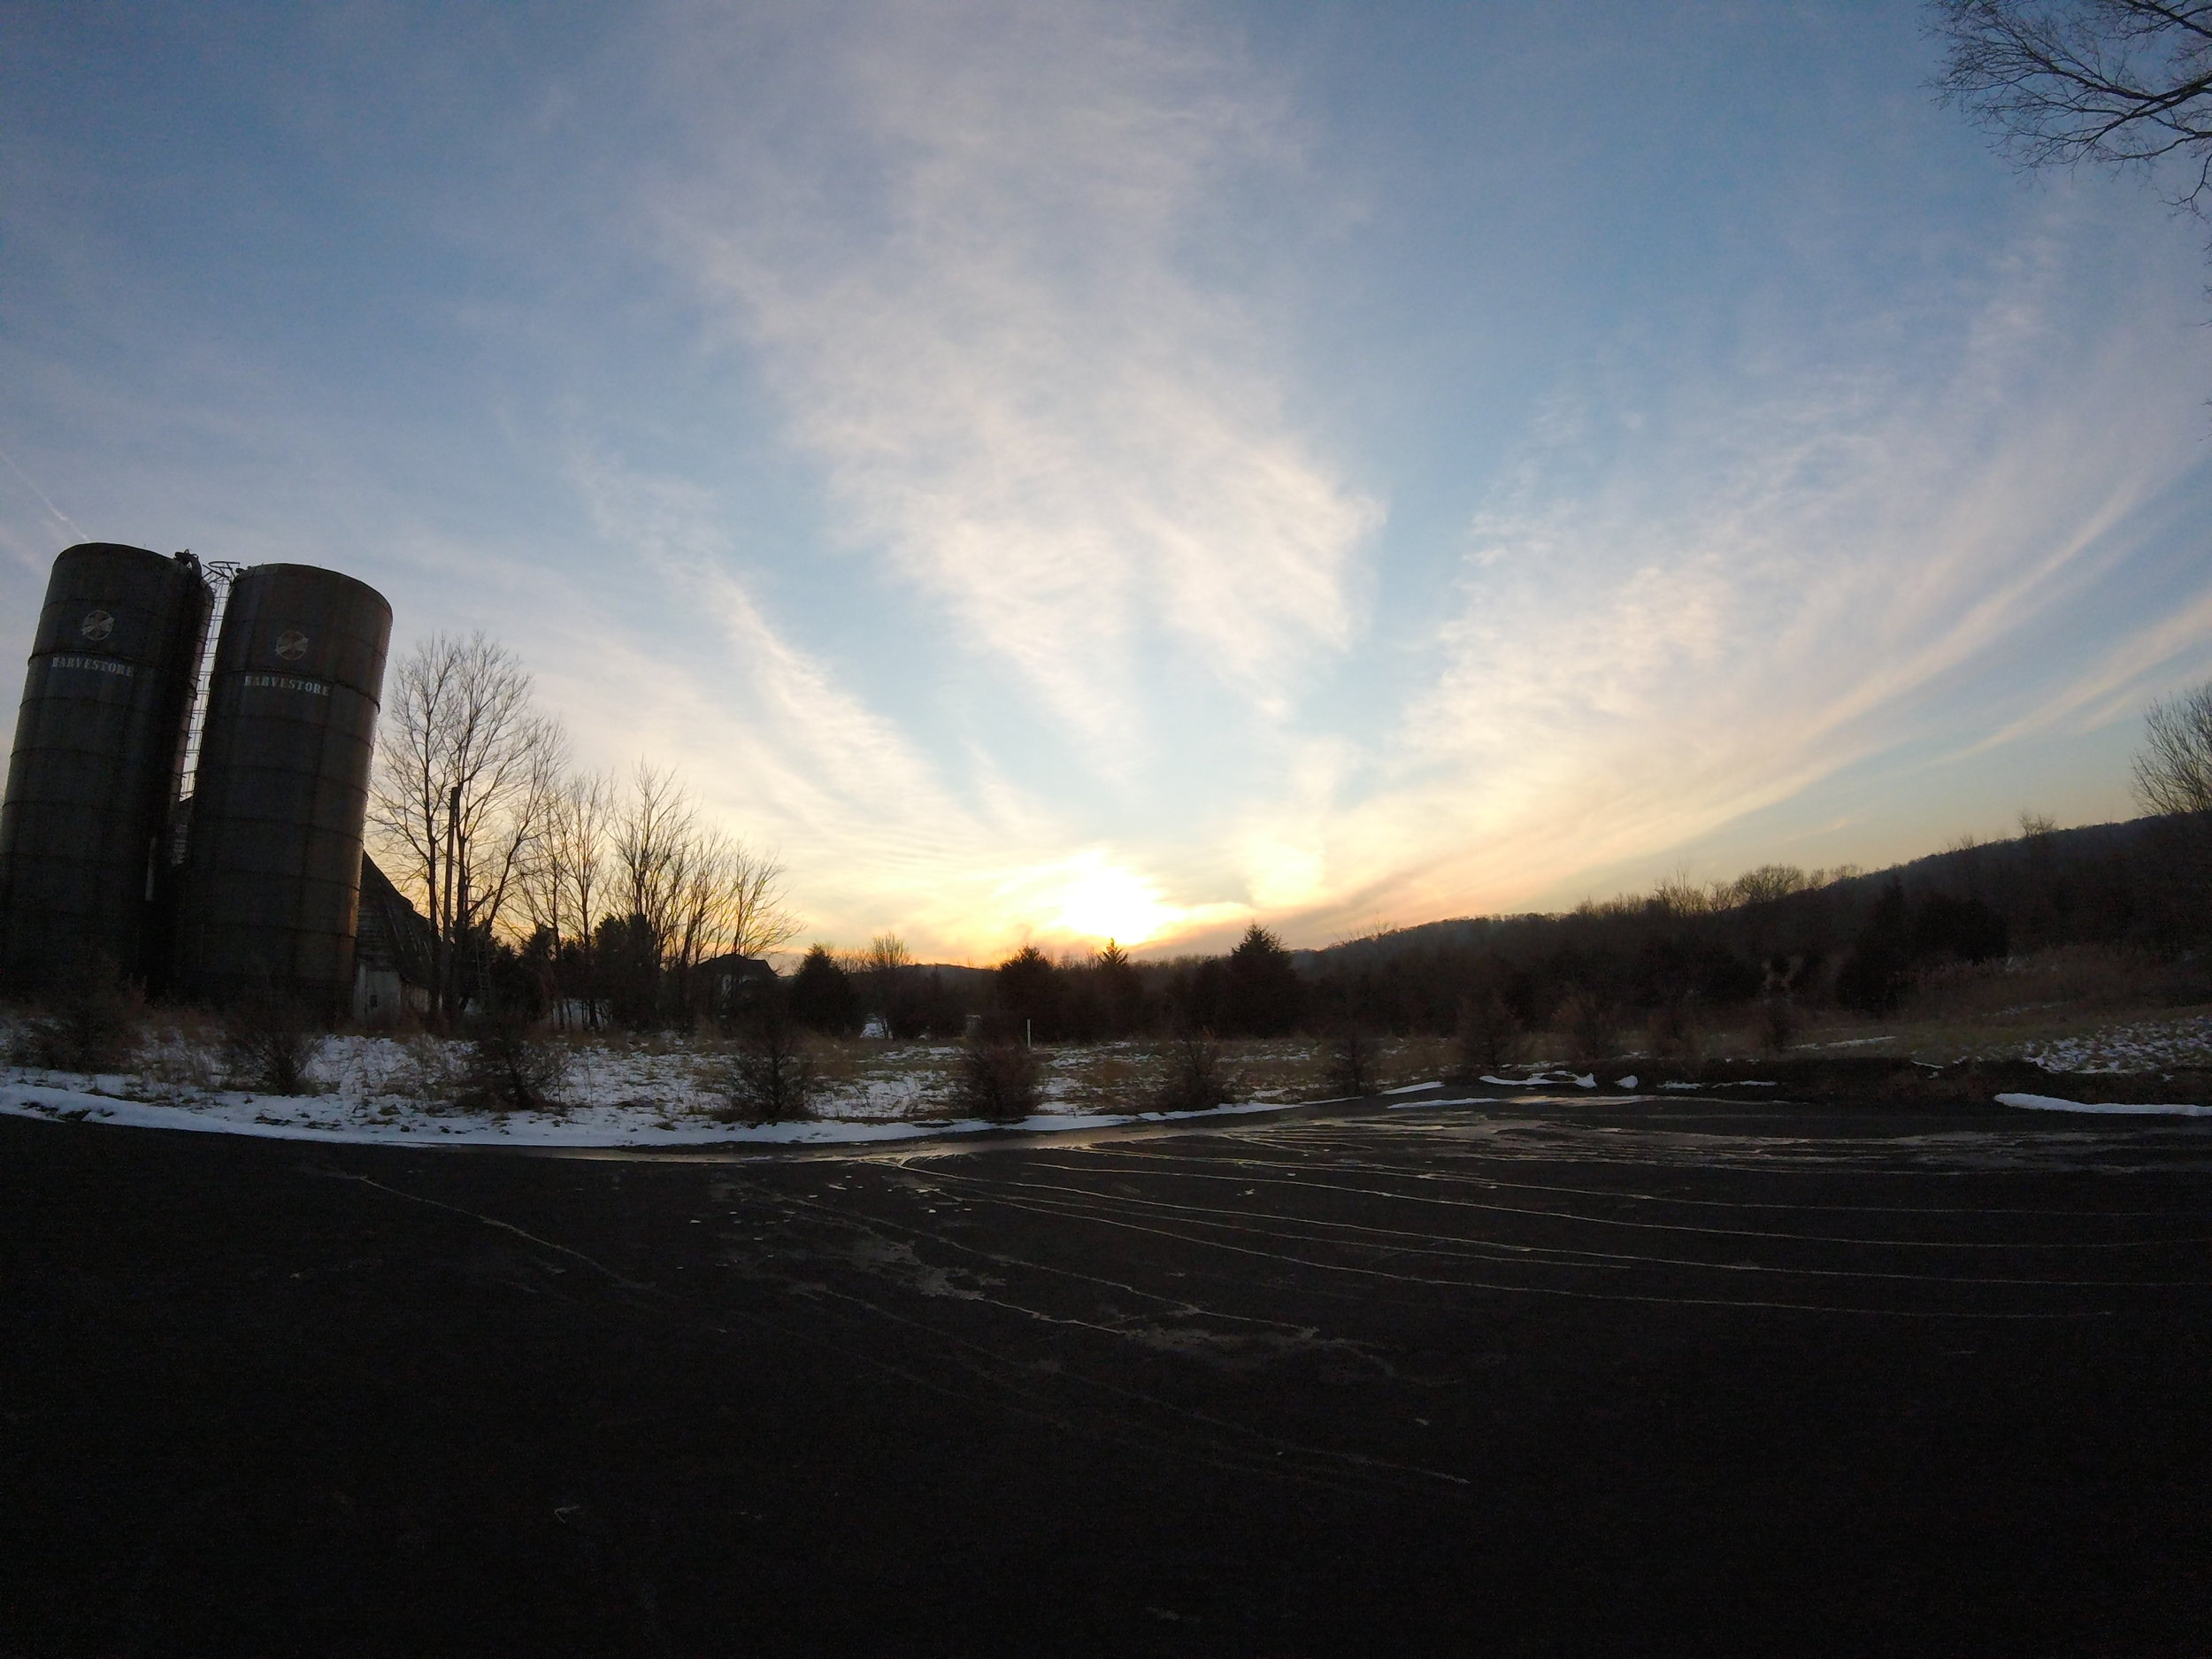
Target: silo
{"points": [[99, 745], [272, 874]]}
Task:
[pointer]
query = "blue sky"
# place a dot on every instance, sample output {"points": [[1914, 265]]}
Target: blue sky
{"points": [[1058, 469]]}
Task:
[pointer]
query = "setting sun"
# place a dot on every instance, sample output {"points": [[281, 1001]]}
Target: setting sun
{"points": [[1109, 902], [1090, 899]]}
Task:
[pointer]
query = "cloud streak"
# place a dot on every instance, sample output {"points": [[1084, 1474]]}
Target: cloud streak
{"points": [[1001, 349], [1679, 609], [876, 833]]}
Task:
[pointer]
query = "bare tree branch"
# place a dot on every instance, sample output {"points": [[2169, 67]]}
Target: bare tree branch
{"points": [[2116, 83], [466, 772], [2173, 773], [758, 919], [653, 850]]}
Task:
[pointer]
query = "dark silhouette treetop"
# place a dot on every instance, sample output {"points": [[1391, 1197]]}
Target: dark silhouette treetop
{"points": [[821, 994], [1265, 997], [2173, 773], [1028, 988], [2118, 84]]}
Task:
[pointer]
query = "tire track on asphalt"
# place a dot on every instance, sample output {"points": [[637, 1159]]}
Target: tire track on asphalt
{"points": [[1122, 1150], [1072, 1213], [1364, 1466], [1658, 1226]]}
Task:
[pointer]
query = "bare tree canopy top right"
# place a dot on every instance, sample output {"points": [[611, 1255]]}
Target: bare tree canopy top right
{"points": [[2118, 84]]}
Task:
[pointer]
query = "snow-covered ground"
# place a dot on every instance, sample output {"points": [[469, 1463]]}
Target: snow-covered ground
{"points": [[2052, 1103], [2147, 1046], [373, 1088], [619, 1093], [59, 1098]]}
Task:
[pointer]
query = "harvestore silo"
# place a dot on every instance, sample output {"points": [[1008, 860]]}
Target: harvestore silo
{"points": [[272, 877], [99, 749]]}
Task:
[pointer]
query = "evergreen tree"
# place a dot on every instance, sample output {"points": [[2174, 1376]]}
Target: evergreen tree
{"points": [[1029, 992], [1265, 997], [822, 996], [1120, 992]]}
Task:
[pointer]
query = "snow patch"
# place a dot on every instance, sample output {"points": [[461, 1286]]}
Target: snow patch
{"points": [[2147, 1046], [310, 1119], [2052, 1103]]}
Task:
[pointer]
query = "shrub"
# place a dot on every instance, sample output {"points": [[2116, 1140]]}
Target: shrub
{"points": [[771, 1076], [1777, 1024], [181, 1061], [429, 1070], [1347, 1059], [1876, 978], [998, 1081], [511, 1066], [269, 1041], [1671, 1032], [1489, 1038], [89, 1020], [1586, 1019], [1196, 1081]]}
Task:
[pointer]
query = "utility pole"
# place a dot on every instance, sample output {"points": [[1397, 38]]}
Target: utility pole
{"points": [[445, 926]]}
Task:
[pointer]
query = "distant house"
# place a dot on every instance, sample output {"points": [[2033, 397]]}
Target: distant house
{"points": [[729, 984], [395, 950]]}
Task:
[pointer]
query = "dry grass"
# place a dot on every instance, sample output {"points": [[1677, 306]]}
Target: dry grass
{"points": [[1124, 1076], [2077, 1008], [1995, 1009]]}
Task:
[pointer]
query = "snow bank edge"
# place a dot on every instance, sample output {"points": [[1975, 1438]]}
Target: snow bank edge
{"points": [[2052, 1103]]}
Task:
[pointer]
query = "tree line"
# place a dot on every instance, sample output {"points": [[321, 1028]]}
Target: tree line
{"points": [[590, 899], [1778, 941], [1095, 996], [551, 892]]}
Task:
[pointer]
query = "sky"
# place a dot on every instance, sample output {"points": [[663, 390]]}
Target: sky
{"points": [[1054, 470]]}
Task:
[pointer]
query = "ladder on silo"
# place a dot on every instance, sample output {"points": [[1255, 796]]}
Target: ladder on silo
{"points": [[219, 575]]}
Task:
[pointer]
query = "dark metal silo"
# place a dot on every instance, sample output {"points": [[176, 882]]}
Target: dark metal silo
{"points": [[272, 874], [99, 746]]}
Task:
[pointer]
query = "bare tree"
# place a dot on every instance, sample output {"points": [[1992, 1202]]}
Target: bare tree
{"points": [[2173, 775], [466, 771], [702, 892], [881, 966], [731, 900], [759, 920], [2116, 83], [564, 885], [2174, 771], [652, 838], [701, 919], [1766, 885], [1678, 894]]}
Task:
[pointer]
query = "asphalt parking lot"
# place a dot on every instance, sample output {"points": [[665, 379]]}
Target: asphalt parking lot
{"points": [[1519, 1376]]}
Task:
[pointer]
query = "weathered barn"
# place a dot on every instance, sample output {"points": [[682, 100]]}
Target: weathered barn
{"points": [[395, 953]]}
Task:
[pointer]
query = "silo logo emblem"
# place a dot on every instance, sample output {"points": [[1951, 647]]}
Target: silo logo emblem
{"points": [[97, 624], [291, 645]]}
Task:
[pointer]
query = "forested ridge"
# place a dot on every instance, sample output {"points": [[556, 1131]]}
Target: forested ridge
{"points": [[1777, 938]]}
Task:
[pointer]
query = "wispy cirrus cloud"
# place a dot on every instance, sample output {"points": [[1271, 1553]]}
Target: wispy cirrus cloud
{"points": [[969, 261], [1696, 594], [878, 834], [780, 734]]}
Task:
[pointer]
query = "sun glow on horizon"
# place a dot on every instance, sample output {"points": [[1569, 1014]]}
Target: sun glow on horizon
{"points": [[1090, 899]]}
